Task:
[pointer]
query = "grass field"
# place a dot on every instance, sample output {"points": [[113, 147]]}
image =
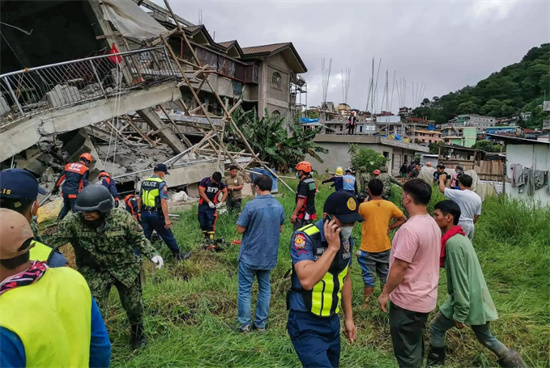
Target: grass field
{"points": [[191, 306]]}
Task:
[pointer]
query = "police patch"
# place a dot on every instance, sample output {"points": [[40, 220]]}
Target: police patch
{"points": [[299, 241], [352, 205]]}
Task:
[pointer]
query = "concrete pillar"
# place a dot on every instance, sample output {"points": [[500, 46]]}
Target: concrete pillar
{"points": [[156, 123]]}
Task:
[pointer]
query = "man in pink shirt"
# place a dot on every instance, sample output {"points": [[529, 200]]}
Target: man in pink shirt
{"points": [[412, 282]]}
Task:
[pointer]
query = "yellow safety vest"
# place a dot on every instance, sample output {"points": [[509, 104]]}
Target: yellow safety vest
{"points": [[52, 317], [150, 192], [40, 252], [324, 299]]}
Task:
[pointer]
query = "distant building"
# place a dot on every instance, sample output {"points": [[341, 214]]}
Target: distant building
{"points": [[510, 129], [461, 136], [424, 136], [477, 121]]}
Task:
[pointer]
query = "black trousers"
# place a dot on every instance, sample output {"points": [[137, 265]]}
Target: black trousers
{"points": [[407, 334]]}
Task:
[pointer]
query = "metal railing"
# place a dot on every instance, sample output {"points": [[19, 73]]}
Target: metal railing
{"points": [[32, 91]]}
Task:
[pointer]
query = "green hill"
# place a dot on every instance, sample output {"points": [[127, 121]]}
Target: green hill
{"points": [[519, 87]]}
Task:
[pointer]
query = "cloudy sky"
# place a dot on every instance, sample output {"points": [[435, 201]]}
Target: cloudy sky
{"points": [[440, 44]]}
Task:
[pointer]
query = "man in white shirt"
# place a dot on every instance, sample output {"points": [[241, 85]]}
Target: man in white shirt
{"points": [[468, 201]]}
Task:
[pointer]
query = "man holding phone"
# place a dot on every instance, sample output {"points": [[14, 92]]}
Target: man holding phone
{"points": [[321, 256]]}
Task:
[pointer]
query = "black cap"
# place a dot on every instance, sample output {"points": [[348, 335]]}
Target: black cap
{"points": [[343, 206], [162, 168], [19, 184]]}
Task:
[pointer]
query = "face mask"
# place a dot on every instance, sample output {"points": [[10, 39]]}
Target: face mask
{"points": [[297, 174], [346, 232], [95, 223]]}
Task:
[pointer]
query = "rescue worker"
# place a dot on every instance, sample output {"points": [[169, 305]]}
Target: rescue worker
{"points": [[74, 178], [234, 184], [304, 212], [49, 318], [19, 192], [364, 178], [387, 179], [104, 239], [131, 204], [350, 183], [209, 189], [337, 180], [104, 178], [321, 256], [153, 209]]}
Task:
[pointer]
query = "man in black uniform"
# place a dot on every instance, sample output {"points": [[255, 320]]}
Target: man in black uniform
{"points": [[304, 213], [209, 189]]}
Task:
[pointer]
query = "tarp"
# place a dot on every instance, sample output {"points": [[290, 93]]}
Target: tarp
{"points": [[130, 20], [309, 120]]}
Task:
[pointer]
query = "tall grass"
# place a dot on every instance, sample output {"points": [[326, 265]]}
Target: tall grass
{"points": [[191, 306]]}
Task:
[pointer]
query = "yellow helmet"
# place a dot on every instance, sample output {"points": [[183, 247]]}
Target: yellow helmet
{"points": [[339, 171]]}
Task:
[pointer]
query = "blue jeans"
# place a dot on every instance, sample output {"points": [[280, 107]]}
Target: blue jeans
{"points": [[246, 278], [315, 339], [150, 221], [440, 324], [68, 205]]}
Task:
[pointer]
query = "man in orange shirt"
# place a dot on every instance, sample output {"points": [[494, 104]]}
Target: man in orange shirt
{"points": [[374, 256]]}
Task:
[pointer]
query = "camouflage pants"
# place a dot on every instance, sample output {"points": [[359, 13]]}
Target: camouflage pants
{"points": [[130, 297]]}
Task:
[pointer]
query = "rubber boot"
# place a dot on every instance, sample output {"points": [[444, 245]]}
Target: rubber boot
{"points": [[137, 336], [367, 293], [436, 356], [511, 360]]}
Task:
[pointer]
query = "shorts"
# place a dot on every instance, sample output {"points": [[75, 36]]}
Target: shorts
{"points": [[374, 264]]}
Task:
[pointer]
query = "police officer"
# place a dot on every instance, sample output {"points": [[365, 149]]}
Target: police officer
{"points": [[321, 256], [209, 189], [49, 318], [350, 183], [131, 204], [74, 177], [104, 178], [104, 239], [153, 209], [304, 212], [19, 191]]}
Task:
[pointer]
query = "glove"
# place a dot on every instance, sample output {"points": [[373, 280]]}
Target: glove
{"points": [[219, 204], [117, 203], [158, 261], [55, 190], [211, 205]]}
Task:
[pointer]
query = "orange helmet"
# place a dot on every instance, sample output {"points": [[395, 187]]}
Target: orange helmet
{"points": [[376, 172], [86, 156], [304, 166], [103, 174]]}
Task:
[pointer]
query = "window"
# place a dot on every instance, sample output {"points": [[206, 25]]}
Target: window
{"points": [[277, 81]]}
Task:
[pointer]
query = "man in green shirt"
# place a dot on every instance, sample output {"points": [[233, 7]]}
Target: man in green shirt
{"points": [[469, 301]]}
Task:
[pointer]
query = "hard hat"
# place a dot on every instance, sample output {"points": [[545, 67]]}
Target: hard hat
{"points": [[376, 172], [103, 174], [304, 166], [94, 198], [349, 169], [15, 234], [384, 169], [339, 171], [86, 156]]}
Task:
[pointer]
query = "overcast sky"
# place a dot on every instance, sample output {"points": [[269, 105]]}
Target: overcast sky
{"points": [[443, 44]]}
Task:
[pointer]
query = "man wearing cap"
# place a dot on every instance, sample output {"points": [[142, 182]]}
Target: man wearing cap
{"points": [[350, 183], [104, 239], [321, 256], [209, 190], [19, 192], [74, 177], [387, 179], [104, 178], [48, 318], [153, 209]]}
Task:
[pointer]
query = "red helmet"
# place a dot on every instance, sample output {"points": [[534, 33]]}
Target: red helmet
{"points": [[86, 156], [376, 172], [304, 166]]}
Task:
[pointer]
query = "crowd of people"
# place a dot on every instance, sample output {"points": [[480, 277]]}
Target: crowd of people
{"points": [[110, 243]]}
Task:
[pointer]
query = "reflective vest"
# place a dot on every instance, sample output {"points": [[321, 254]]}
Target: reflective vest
{"points": [[324, 299], [150, 193], [40, 252], [52, 317]]}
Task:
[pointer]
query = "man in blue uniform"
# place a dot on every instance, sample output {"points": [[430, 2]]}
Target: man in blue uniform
{"points": [[321, 256], [74, 178], [153, 209], [104, 178], [209, 189], [350, 182]]}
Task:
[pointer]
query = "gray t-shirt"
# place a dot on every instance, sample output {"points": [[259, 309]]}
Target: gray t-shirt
{"points": [[468, 201]]}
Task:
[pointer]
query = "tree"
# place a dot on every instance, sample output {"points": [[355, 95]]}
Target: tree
{"points": [[487, 146], [366, 157]]}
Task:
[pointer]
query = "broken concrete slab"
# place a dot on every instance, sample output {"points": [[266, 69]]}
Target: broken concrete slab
{"points": [[62, 95]]}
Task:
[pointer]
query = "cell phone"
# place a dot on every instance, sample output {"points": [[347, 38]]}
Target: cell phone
{"points": [[328, 218]]}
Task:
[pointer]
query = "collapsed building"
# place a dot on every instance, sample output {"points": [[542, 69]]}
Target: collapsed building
{"points": [[133, 84]]}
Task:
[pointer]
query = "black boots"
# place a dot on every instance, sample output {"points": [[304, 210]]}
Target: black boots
{"points": [[511, 360], [436, 356], [137, 336]]}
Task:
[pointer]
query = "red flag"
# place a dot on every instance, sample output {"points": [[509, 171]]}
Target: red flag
{"points": [[117, 58]]}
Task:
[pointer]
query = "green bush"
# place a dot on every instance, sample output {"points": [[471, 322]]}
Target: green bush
{"points": [[366, 157]]}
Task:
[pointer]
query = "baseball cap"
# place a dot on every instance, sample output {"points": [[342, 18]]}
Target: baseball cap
{"points": [[19, 184], [15, 234], [344, 206], [161, 167]]}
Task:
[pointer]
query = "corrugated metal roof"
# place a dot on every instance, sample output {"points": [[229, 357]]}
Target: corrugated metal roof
{"points": [[268, 49]]}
